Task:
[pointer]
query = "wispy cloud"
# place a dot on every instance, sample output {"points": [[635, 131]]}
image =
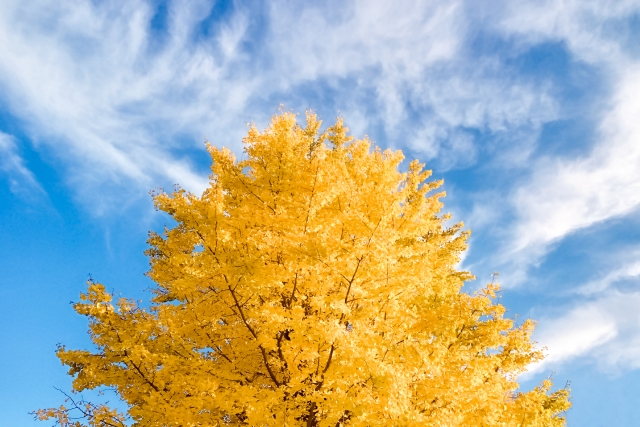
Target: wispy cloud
{"points": [[91, 81], [567, 195], [605, 332], [87, 81], [411, 71], [601, 323], [569, 336], [22, 181], [621, 272], [594, 31]]}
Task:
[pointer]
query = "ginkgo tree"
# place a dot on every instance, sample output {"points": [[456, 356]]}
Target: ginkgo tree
{"points": [[312, 284]]}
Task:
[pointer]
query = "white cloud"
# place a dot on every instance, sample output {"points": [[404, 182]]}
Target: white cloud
{"points": [[605, 331], [592, 29], [91, 82], [567, 195], [397, 38], [573, 334], [85, 80], [626, 271], [487, 101], [414, 58], [21, 179], [564, 195]]}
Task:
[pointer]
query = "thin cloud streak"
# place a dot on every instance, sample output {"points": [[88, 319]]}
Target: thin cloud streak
{"points": [[22, 181], [625, 272], [605, 332], [565, 196], [96, 94], [414, 60], [594, 31], [572, 335]]}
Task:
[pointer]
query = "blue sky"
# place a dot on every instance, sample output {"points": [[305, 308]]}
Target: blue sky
{"points": [[529, 110]]}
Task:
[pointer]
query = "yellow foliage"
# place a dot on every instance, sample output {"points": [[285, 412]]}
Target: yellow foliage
{"points": [[312, 284]]}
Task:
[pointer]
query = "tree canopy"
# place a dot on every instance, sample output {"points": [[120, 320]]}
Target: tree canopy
{"points": [[312, 284]]}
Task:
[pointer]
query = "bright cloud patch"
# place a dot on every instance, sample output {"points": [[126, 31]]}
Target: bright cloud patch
{"points": [[606, 331], [565, 196]]}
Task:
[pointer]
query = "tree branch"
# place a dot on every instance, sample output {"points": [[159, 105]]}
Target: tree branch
{"points": [[352, 279], [313, 191], [253, 333]]}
